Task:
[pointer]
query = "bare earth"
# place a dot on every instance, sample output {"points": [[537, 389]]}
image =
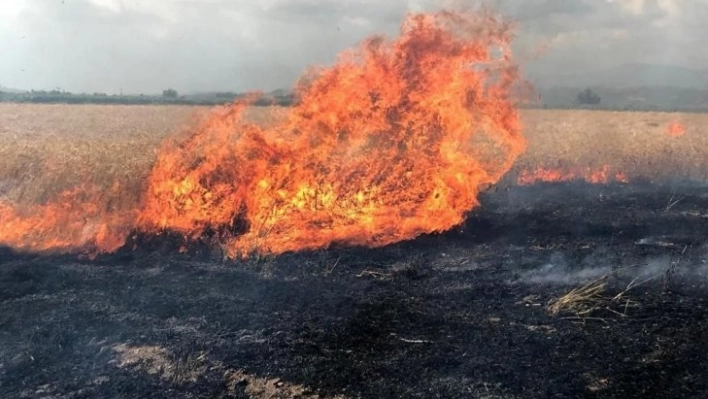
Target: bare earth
{"points": [[463, 314]]}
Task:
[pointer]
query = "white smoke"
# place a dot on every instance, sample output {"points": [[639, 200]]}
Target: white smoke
{"points": [[673, 267]]}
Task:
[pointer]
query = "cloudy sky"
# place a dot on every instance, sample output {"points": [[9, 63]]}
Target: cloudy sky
{"points": [[202, 45]]}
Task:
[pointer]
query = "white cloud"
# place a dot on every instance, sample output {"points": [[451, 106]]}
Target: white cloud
{"points": [[114, 6], [634, 7], [10, 9], [671, 7]]}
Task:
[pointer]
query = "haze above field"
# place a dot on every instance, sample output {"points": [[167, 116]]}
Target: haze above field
{"points": [[129, 46]]}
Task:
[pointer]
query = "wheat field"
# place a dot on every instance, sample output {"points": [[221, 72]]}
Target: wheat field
{"points": [[635, 143], [45, 149]]}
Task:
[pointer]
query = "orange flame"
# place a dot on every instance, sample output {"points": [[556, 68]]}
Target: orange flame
{"points": [[676, 129], [78, 219], [393, 141], [599, 176]]}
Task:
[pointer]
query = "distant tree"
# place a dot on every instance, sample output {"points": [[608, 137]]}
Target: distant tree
{"points": [[588, 97], [170, 93]]}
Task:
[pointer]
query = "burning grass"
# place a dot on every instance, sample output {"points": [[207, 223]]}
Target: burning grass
{"points": [[47, 149], [628, 145], [276, 180], [395, 140]]}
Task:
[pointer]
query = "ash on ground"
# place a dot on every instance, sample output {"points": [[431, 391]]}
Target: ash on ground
{"points": [[455, 315]]}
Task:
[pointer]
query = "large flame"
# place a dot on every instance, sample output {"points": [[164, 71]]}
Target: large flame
{"points": [[395, 140]]}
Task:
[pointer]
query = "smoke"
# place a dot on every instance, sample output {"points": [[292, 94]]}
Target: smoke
{"points": [[236, 45], [558, 270], [664, 270]]}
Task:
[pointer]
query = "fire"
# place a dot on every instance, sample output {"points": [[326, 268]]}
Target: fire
{"points": [[676, 129], [381, 147], [82, 218], [599, 176], [395, 140]]}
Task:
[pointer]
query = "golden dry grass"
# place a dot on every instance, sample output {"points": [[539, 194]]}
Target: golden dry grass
{"points": [[636, 143], [45, 149], [581, 300]]}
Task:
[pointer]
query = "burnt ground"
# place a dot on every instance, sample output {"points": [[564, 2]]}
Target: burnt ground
{"points": [[456, 315]]}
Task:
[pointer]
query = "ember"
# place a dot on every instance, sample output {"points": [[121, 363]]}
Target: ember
{"points": [[599, 176], [676, 129]]}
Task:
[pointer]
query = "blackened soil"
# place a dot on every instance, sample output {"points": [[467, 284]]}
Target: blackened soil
{"points": [[456, 315]]}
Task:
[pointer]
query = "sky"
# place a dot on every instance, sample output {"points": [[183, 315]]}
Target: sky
{"points": [[145, 46]]}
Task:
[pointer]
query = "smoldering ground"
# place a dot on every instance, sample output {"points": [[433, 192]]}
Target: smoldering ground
{"points": [[459, 314]]}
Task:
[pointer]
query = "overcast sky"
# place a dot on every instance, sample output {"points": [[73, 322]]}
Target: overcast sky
{"points": [[234, 45]]}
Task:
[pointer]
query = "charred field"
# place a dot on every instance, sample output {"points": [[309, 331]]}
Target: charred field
{"points": [[564, 289], [460, 314]]}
